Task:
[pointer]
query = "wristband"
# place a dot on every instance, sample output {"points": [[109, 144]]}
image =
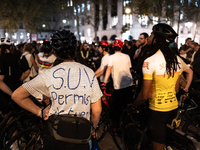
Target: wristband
{"points": [[39, 113]]}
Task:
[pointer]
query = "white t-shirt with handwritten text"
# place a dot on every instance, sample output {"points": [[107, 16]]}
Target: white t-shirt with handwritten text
{"points": [[71, 86]]}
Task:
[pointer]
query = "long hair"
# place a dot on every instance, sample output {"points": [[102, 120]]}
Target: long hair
{"points": [[170, 56]]}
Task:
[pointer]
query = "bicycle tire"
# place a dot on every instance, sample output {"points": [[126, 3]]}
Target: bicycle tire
{"points": [[132, 138], [29, 139], [7, 132], [192, 127]]}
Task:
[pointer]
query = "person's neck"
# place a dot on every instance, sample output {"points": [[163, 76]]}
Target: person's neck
{"points": [[117, 51], [105, 53], [69, 60], [196, 48]]}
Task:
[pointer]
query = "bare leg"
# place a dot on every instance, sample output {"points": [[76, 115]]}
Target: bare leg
{"points": [[158, 146]]}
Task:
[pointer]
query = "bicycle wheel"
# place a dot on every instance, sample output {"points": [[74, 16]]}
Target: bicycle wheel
{"points": [[134, 139], [192, 127], [8, 132], [29, 139]]}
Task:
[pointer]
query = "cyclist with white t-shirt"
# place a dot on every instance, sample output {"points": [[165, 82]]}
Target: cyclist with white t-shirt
{"points": [[72, 87], [103, 48], [119, 66]]}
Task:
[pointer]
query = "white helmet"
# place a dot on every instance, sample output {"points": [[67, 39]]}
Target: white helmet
{"points": [[5, 41]]}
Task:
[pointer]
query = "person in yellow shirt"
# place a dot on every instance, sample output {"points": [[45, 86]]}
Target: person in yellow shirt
{"points": [[161, 71]]}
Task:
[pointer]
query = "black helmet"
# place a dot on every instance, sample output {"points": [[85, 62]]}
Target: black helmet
{"points": [[166, 31], [64, 43]]}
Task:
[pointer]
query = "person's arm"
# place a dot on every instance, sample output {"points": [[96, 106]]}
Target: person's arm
{"points": [[97, 71], [96, 112], [184, 52], [101, 72], [25, 74], [144, 94], [21, 97], [108, 72], [33, 62], [4, 87], [189, 77], [137, 55], [177, 84]]}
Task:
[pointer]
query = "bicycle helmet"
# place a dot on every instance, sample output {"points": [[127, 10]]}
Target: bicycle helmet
{"points": [[166, 31], [118, 43], [104, 43], [64, 43], [5, 41]]}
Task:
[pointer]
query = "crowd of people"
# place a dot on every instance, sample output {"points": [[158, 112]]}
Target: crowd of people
{"points": [[70, 75]]}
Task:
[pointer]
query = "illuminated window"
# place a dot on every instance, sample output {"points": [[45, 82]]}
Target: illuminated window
{"points": [[14, 36], [83, 7], [126, 2], [114, 20], [89, 32], [79, 9], [75, 23], [74, 11], [88, 5], [143, 20], [21, 35]]}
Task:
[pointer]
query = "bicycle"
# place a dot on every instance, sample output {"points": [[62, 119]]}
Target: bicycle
{"points": [[135, 133]]}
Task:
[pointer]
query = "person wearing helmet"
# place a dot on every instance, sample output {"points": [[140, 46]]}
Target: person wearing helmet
{"points": [[161, 73], [45, 57], [71, 86], [9, 72], [103, 49], [119, 66]]}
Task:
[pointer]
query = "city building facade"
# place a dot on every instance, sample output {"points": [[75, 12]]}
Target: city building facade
{"points": [[104, 20]]}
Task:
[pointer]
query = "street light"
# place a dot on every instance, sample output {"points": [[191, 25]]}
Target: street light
{"points": [[128, 12], [64, 20]]}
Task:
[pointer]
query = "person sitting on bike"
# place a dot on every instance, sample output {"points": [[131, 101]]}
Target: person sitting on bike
{"points": [[119, 66], [71, 86], [161, 71]]}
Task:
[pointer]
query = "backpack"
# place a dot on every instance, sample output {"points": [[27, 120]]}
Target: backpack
{"points": [[24, 64]]}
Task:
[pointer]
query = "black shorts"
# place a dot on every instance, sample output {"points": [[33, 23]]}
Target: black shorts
{"points": [[157, 124]]}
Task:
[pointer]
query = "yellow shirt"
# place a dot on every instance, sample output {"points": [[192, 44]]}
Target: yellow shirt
{"points": [[162, 94]]}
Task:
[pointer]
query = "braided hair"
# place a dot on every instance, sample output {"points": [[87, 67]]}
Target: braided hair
{"points": [[169, 55]]}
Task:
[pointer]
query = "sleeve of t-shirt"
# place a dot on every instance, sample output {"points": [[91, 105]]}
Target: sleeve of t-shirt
{"points": [[37, 87], [103, 63], [96, 91], [110, 61], [184, 66], [148, 69]]}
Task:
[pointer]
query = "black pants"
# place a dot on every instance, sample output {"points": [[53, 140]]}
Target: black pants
{"points": [[121, 98]]}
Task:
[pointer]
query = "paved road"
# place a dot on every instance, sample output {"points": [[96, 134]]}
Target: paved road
{"points": [[107, 143]]}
